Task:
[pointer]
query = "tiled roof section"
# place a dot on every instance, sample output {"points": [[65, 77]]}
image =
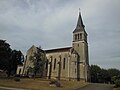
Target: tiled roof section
{"points": [[58, 50]]}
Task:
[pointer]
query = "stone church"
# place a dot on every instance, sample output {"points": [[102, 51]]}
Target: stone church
{"points": [[67, 63]]}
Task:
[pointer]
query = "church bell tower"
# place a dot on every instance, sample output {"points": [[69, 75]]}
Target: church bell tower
{"points": [[80, 45]]}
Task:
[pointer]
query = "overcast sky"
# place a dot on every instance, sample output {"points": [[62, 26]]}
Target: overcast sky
{"points": [[50, 23]]}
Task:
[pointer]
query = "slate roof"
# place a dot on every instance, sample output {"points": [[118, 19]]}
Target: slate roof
{"points": [[80, 25]]}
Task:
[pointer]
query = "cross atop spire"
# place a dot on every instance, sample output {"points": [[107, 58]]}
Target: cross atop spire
{"points": [[80, 21], [80, 24]]}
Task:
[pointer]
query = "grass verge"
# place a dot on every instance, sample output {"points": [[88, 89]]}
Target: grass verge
{"points": [[38, 84]]}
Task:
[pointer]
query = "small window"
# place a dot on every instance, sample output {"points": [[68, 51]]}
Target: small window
{"points": [[78, 45], [64, 63], [54, 63]]}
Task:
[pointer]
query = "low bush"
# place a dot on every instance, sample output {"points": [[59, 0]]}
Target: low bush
{"points": [[52, 82], [117, 83], [58, 84], [17, 79]]}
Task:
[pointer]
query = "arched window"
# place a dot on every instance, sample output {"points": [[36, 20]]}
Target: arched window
{"points": [[46, 64], [75, 70], [54, 63], [64, 63], [19, 71], [80, 35], [75, 37]]}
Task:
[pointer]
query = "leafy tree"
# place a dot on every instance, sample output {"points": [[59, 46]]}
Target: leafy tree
{"points": [[95, 72], [17, 59], [30, 71], [104, 76], [99, 75], [113, 72], [9, 59], [38, 63], [5, 55], [116, 80]]}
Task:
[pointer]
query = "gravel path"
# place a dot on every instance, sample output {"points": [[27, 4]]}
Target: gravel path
{"points": [[95, 86]]}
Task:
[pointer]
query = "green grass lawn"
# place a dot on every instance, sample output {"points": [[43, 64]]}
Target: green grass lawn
{"points": [[38, 84]]}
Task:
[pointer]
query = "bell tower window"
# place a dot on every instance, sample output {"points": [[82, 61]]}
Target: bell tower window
{"points": [[75, 36], [80, 36]]}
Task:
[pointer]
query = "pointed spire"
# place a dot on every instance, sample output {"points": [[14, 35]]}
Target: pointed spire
{"points": [[80, 22], [80, 25]]}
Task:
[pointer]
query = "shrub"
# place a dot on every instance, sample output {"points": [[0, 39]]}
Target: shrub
{"points": [[55, 83], [58, 84], [114, 78], [17, 75], [17, 79], [117, 83], [52, 82]]}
